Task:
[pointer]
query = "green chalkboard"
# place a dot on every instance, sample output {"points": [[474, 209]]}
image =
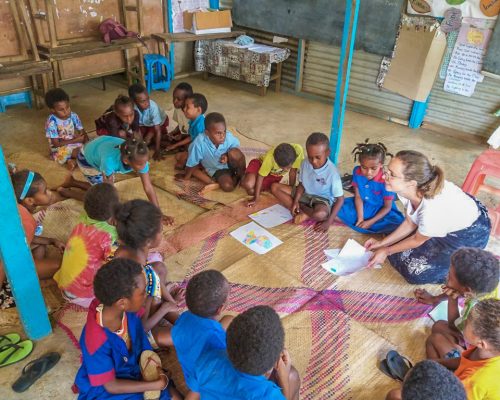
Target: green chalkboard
{"points": [[323, 20]]}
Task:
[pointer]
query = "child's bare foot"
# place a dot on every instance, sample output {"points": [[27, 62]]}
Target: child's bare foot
{"points": [[179, 167], [423, 296], [68, 181], [71, 164], [208, 188], [300, 217]]}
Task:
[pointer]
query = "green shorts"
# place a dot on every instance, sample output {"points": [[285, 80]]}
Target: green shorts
{"points": [[311, 200]]}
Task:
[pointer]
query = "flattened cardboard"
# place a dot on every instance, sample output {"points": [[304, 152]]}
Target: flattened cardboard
{"points": [[207, 20], [416, 62]]}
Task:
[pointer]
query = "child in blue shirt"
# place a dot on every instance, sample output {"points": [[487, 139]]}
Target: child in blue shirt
{"points": [[153, 122], [63, 128], [255, 364], [217, 152], [201, 329], [103, 157], [113, 339], [372, 209], [319, 195]]}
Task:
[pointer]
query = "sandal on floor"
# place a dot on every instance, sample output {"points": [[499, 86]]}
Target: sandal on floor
{"points": [[9, 338], [150, 369], [34, 370], [384, 368], [398, 365], [15, 352]]}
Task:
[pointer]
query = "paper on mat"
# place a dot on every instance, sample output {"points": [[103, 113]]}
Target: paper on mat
{"points": [[351, 258], [256, 238], [331, 253], [272, 216], [440, 312]]}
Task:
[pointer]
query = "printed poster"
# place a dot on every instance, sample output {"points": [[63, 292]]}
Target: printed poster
{"points": [[470, 8], [256, 238]]}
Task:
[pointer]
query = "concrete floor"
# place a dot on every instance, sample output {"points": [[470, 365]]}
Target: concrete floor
{"points": [[272, 119]]}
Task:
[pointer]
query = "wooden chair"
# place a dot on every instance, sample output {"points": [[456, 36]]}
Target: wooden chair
{"points": [[27, 63], [56, 50]]}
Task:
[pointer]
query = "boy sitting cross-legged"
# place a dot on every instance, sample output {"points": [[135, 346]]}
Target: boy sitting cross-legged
{"points": [[255, 365], [214, 156], [319, 195]]}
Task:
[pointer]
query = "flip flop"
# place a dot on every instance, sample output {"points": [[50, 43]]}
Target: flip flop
{"points": [[9, 338], [34, 370], [384, 368], [398, 365], [14, 352], [150, 361]]}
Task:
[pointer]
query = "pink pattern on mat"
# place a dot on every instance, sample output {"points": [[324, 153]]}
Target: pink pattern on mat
{"points": [[206, 254], [315, 243]]}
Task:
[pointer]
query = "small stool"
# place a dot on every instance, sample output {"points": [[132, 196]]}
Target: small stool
{"points": [[15, 98], [158, 72], [487, 164]]}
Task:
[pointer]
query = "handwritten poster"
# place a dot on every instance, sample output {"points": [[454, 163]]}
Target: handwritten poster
{"points": [[179, 6], [469, 8], [465, 65]]}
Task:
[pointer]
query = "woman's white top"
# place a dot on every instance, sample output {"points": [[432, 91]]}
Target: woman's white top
{"points": [[450, 211]]}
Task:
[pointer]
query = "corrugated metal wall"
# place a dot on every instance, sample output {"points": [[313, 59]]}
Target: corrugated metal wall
{"points": [[469, 114], [226, 3], [320, 78]]}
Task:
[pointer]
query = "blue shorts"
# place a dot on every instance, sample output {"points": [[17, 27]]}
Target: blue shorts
{"points": [[92, 175]]}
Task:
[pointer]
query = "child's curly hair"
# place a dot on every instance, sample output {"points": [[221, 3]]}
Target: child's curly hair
{"points": [[133, 148], [485, 319], [370, 150], [122, 101]]}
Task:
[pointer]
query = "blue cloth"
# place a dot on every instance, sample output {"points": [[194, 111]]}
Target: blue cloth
{"points": [[373, 194], [203, 151], [430, 262], [151, 116], [103, 154], [106, 357], [217, 379], [324, 182], [192, 336], [196, 127], [244, 40]]}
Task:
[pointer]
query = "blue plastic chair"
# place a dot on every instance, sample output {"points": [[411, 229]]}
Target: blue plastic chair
{"points": [[15, 98], [158, 72]]}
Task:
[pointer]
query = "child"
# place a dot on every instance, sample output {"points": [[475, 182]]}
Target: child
{"points": [[153, 122], [139, 227], [198, 329], [262, 172], [181, 92], [474, 274], [429, 380], [63, 129], [216, 150], [31, 192], [91, 243], [479, 366], [255, 366], [113, 338], [372, 209], [319, 195], [104, 156], [120, 120]]}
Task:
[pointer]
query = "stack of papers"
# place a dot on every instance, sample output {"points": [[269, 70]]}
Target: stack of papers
{"points": [[350, 259], [272, 216]]}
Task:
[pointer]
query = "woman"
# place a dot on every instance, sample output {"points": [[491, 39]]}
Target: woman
{"points": [[440, 218]]}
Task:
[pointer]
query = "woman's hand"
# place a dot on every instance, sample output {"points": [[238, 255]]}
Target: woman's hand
{"points": [[373, 244], [377, 258]]}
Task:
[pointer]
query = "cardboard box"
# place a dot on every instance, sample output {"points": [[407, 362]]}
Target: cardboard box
{"points": [[203, 22]]}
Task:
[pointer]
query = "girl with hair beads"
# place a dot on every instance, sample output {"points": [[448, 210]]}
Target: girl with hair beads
{"points": [[440, 218], [139, 227], [372, 209]]}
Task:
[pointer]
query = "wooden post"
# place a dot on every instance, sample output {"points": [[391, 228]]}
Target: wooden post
{"points": [[18, 262], [277, 88], [299, 72]]}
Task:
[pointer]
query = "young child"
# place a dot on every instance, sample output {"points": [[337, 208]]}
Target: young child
{"points": [[91, 243], [201, 328], [121, 120], [474, 274], [372, 209], [262, 172], [479, 366], [113, 338], [181, 92], [63, 128], [153, 122], [31, 192], [103, 157], [319, 195], [217, 151], [255, 366], [429, 380], [139, 226]]}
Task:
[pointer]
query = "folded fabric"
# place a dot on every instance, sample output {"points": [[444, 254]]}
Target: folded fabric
{"points": [[244, 40]]}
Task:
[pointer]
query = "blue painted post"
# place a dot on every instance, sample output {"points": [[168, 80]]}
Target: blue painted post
{"points": [[346, 52], [300, 65], [418, 113], [214, 4], [171, 54], [18, 262]]}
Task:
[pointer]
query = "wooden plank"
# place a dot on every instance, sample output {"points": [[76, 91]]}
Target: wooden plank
{"points": [[88, 52], [29, 30], [95, 46], [50, 8], [191, 37], [91, 76], [19, 31], [25, 69]]}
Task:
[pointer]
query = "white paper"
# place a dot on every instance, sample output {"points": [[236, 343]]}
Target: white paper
{"points": [[331, 253], [256, 238], [440, 312], [352, 258], [272, 216]]}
